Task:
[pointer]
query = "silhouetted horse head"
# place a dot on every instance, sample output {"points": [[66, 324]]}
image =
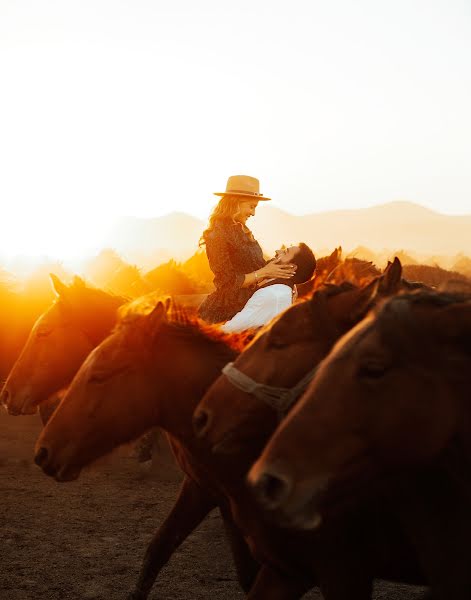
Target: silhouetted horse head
{"points": [[393, 394], [58, 343]]}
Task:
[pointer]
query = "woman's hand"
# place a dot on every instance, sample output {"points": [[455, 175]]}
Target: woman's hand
{"points": [[275, 270]]}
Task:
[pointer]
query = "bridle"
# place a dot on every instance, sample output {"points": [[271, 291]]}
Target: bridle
{"points": [[279, 398]]}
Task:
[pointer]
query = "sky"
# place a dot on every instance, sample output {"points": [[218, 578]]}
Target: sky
{"points": [[144, 107]]}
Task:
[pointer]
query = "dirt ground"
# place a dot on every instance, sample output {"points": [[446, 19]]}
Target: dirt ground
{"points": [[85, 540]]}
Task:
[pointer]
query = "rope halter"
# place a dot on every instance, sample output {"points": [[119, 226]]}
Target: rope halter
{"points": [[279, 398]]}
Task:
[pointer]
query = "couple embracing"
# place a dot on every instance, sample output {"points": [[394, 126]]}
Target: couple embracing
{"points": [[250, 290]]}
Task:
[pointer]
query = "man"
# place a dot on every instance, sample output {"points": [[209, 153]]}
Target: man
{"points": [[274, 295]]}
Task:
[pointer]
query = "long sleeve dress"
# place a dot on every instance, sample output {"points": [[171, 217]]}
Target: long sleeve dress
{"points": [[232, 253]]}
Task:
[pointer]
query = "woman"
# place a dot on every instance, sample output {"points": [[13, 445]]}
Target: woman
{"points": [[235, 257]]}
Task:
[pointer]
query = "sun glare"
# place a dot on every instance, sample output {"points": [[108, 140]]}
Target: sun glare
{"points": [[59, 237]]}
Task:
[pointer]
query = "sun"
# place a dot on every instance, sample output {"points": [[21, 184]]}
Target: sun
{"points": [[64, 237]]}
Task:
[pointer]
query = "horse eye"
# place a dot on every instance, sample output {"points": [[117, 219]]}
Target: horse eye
{"points": [[372, 370], [105, 375], [43, 332], [276, 341], [99, 377]]}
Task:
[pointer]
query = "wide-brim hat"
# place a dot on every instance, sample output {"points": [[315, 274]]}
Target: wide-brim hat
{"points": [[244, 186]]}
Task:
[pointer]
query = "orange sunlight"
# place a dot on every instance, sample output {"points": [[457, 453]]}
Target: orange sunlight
{"points": [[62, 237]]}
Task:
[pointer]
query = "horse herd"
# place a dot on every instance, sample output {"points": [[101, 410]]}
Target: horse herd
{"points": [[335, 441]]}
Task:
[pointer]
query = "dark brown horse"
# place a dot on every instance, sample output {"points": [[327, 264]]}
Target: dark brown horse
{"points": [[132, 382], [294, 343], [391, 397]]}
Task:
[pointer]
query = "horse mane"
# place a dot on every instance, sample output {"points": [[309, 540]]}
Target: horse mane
{"points": [[333, 289], [143, 305], [187, 323], [98, 296], [183, 321], [397, 322], [431, 297], [96, 310], [328, 290], [191, 324]]}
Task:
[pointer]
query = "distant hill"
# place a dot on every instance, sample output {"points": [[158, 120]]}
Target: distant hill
{"points": [[396, 225], [149, 242]]}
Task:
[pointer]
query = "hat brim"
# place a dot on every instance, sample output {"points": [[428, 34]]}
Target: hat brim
{"points": [[242, 195]]}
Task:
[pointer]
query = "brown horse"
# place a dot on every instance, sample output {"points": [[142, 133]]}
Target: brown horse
{"points": [[59, 342], [151, 371], [80, 318], [392, 396], [132, 382], [283, 356]]}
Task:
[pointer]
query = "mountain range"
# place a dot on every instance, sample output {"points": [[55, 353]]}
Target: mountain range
{"points": [[396, 226]]}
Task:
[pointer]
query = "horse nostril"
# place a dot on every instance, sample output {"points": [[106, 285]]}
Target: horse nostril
{"points": [[41, 456], [201, 421], [4, 397], [270, 489]]}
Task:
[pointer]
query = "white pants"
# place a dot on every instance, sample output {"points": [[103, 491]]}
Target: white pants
{"points": [[261, 307]]}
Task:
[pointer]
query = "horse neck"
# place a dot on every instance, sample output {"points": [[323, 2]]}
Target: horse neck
{"points": [[194, 378], [97, 319]]}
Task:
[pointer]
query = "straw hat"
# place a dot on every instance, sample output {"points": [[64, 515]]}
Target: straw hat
{"points": [[242, 185]]}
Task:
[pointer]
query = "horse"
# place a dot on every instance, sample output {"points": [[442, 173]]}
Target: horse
{"points": [[390, 401], [58, 343], [293, 345], [132, 382]]}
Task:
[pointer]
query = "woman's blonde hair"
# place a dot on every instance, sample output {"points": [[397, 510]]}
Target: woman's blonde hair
{"points": [[227, 208]]}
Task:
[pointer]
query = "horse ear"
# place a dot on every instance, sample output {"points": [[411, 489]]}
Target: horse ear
{"points": [[157, 317], [390, 280], [60, 288], [334, 255], [168, 303], [78, 282], [363, 300]]}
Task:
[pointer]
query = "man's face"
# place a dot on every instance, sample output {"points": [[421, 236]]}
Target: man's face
{"points": [[286, 255]]}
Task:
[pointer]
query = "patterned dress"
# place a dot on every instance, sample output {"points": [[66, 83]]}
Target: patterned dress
{"points": [[232, 253]]}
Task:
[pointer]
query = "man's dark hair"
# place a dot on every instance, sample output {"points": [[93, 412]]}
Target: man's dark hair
{"points": [[306, 263]]}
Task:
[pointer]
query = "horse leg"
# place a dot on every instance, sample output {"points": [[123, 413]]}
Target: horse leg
{"points": [[246, 565], [275, 585], [144, 445], [190, 508]]}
